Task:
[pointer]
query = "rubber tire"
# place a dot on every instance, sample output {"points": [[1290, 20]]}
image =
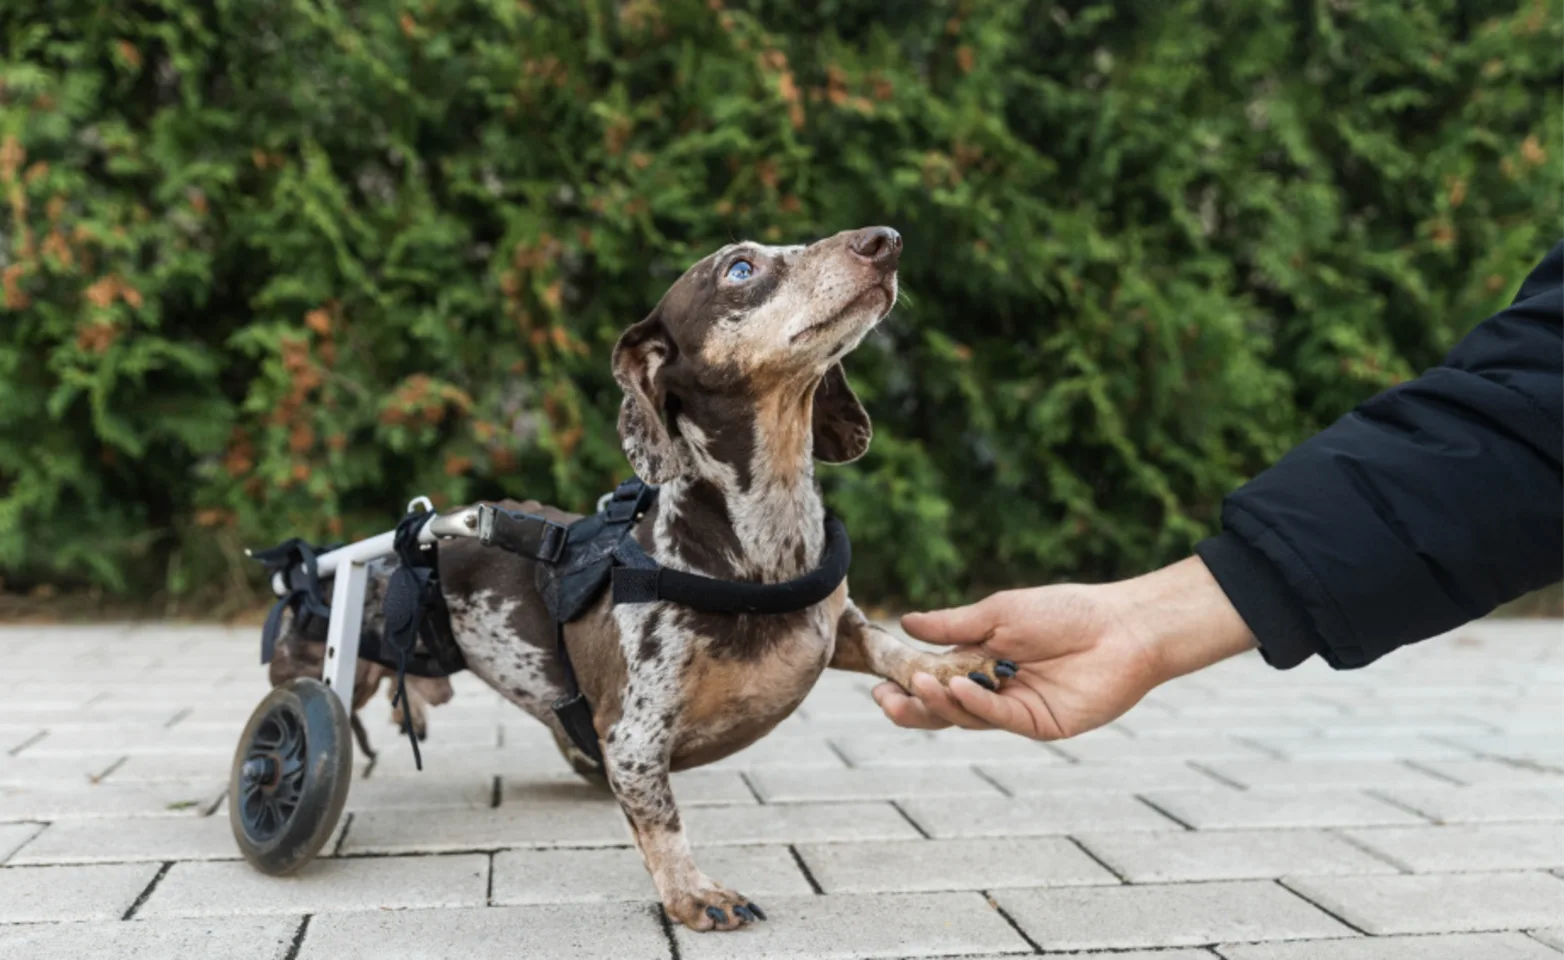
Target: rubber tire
{"points": [[328, 773]]}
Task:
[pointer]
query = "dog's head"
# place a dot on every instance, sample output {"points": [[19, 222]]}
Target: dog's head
{"points": [[754, 328]]}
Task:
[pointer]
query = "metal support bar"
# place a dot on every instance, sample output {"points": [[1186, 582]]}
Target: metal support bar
{"points": [[347, 619]]}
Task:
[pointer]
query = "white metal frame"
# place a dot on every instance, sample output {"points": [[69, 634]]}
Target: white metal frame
{"points": [[349, 566]]}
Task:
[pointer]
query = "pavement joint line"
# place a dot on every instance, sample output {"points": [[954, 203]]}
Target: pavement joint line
{"points": [[178, 716], [1099, 861], [1224, 781], [1270, 752], [27, 743], [100, 777], [298, 938], [1392, 801], [1047, 745], [991, 781], [1414, 765], [667, 925], [803, 867], [750, 786], [347, 824], [147, 893], [1282, 882], [1341, 834], [844, 758], [908, 817], [1149, 803], [488, 896], [496, 793], [1036, 947]]}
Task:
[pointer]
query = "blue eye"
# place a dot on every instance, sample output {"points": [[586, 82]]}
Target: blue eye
{"points": [[741, 270]]}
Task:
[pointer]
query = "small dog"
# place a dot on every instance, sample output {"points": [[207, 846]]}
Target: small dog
{"points": [[733, 388]]}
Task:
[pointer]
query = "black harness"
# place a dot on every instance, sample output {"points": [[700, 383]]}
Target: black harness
{"points": [[575, 564]]}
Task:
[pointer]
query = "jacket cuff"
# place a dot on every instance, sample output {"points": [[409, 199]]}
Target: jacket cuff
{"points": [[1262, 598]]}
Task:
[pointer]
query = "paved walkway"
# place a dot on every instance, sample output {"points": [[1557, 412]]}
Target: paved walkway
{"points": [[1410, 812]]}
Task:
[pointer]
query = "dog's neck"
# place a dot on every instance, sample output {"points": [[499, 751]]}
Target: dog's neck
{"points": [[747, 506]]}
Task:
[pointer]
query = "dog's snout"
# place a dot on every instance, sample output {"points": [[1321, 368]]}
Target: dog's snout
{"points": [[880, 246]]}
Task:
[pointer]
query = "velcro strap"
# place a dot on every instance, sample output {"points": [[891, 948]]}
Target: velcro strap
{"points": [[636, 584], [521, 533]]}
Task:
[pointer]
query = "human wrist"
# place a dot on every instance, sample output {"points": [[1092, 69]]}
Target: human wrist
{"points": [[1183, 618]]}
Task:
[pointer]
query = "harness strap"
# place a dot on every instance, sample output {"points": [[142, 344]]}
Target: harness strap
{"points": [[521, 533], [640, 579], [572, 709], [295, 560], [407, 596]]}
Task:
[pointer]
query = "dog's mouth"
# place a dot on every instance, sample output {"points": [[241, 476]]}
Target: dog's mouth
{"points": [[883, 291]]}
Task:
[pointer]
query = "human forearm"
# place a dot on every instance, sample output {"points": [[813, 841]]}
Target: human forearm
{"points": [[1182, 616]]}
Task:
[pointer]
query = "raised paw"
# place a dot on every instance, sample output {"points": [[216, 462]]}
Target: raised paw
{"points": [[987, 673], [714, 908]]}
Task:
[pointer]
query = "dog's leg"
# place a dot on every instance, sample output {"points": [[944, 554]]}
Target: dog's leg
{"points": [[866, 647], [636, 751]]}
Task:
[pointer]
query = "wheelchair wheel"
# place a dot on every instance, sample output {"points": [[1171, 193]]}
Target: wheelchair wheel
{"points": [[290, 776]]}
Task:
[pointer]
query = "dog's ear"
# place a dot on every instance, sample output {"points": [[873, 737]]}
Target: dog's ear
{"points": [[841, 425], [641, 358]]}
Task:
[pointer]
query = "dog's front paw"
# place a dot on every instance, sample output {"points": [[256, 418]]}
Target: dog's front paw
{"points": [[984, 671], [712, 907]]}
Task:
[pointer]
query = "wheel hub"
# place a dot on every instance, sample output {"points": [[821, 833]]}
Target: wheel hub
{"points": [[272, 774]]}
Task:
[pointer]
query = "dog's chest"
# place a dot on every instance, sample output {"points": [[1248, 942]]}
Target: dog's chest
{"points": [[742, 675]]}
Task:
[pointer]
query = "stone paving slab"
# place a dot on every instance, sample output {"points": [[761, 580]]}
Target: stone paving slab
{"points": [[1229, 855], [862, 927], [1034, 816], [536, 825], [222, 889], [1482, 804], [1486, 946], [1461, 848], [32, 894], [882, 783], [1172, 915], [57, 801], [108, 841], [909, 748], [798, 823], [1487, 773], [1320, 774], [73, 770], [934, 865], [1160, 749], [601, 876], [225, 938], [1444, 903], [1277, 807], [1054, 777], [557, 931]]}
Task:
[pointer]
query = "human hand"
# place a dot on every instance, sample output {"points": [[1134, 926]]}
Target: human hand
{"points": [[1085, 654]]}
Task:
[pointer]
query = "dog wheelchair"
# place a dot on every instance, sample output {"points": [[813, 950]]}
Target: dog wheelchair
{"points": [[291, 771]]}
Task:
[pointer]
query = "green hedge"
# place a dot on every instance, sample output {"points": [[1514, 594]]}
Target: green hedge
{"points": [[271, 267]]}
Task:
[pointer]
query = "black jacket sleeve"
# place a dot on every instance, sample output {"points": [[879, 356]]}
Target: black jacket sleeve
{"points": [[1426, 507]]}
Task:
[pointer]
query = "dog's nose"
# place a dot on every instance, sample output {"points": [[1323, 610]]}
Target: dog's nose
{"points": [[880, 246]]}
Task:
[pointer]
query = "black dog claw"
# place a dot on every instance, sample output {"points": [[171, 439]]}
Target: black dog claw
{"points": [[759, 914], [1005, 668], [982, 680], [716, 914], [743, 914]]}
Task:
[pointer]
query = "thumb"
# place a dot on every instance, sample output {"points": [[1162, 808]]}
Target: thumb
{"points": [[969, 624]]}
